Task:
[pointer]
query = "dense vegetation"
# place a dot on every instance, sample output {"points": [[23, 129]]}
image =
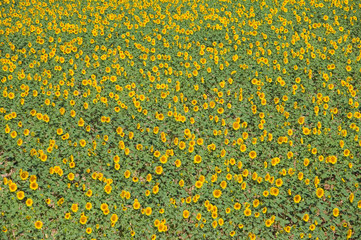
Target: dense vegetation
{"points": [[180, 119]]}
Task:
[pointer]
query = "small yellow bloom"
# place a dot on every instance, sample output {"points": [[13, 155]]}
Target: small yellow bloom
{"points": [[336, 212], [38, 224], [186, 214]]}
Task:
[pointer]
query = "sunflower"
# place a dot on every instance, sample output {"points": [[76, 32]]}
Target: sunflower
{"points": [[243, 148], [217, 193], [103, 206], [149, 177], [274, 191], [198, 184], [314, 150], [197, 159], [252, 154], [13, 134], [306, 162], [268, 222], [29, 202], [265, 193], [186, 214], [108, 188], [279, 182], [74, 207], [319, 192], [351, 197], [147, 211], [106, 212], [214, 224], [336, 212], [38, 224], [127, 174], [236, 125], [88, 230], [349, 233], [163, 159], [114, 218], [247, 212], [297, 198], [312, 227], [255, 203], [223, 184], [83, 219], [305, 217], [71, 176], [221, 221], [116, 166], [20, 195], [88, 206], [13, 187], [136, 204], [237, 206], [306, 131], [159, 170], [155, 189], [89, 193]]}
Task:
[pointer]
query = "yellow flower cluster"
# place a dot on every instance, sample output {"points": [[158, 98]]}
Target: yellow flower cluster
{"points": [[209, 119]]}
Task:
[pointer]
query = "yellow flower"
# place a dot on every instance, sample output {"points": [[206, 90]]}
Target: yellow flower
{"points": [[159, 170], [108, 189], [236, 125], [13, 187], [136, 204], [268, 222], [336, 212], [237, 206], [197, 159], [306, 131], [148, 211], [29, 202], [88, 206], [163, 159], [20, 195], [319, 192], [297, 198], [71, 176], [252, 154], [186, 214], [181, 183], [127, 174], [243, 148], [306, 217], [274, 191], [312, 227], [38, 224], [74, 207], [198, 184], [83, 219], [247, 212], [279, 182], [306, 162], [217, 193], [114, 218]]}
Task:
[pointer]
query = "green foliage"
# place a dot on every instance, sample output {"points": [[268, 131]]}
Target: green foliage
{"points": [[180, 120]]}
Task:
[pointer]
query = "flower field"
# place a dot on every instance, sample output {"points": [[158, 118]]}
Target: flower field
{"points": [[180, 119]]}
